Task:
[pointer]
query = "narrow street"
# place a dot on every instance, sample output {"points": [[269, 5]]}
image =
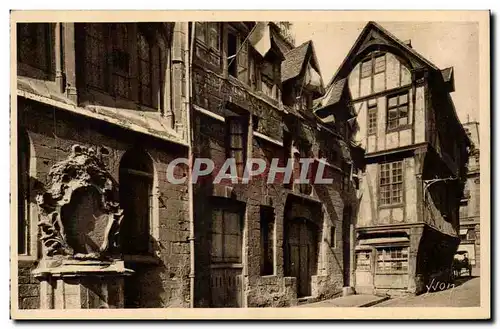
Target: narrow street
{"points": [[464, 294]]}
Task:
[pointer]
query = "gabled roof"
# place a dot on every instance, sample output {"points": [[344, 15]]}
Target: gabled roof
{"points": [[292, 66], [335, 92], [336, 85], [372, 26], [296, 63]]}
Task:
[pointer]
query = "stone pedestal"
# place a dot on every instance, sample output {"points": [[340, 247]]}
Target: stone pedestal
{"points": [[81, 284], [79, 220]]}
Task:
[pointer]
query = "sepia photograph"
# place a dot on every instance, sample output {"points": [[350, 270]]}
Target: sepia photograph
{"points": [[190, 165]]}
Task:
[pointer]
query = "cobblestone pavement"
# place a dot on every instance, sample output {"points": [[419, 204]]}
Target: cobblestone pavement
{"points": [[464, 294]]}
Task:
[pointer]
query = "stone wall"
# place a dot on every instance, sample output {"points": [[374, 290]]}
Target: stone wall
{"points": [[214, 93], [161, 280]]}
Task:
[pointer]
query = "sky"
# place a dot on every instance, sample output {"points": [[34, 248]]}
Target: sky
{"points": [[443, 43]]}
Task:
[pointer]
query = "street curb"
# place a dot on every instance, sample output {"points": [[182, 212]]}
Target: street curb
{"points": [[375, 302]]}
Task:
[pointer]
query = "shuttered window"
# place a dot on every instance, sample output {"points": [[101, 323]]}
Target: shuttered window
{"points": [[226, 236]]}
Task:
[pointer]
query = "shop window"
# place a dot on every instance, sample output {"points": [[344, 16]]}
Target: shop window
{"points": [[397, 111], [266, 240], [363, 262], [392, 260], [226, 236], [136, 199], [391, 183]]}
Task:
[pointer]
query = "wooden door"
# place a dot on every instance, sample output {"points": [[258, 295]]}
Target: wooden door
{"points": [[301, 254]]}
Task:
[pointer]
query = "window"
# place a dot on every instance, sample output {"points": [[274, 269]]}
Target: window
{"points": [[237, 141], [232, 51], [121, 60], [130, 61], [477, 192], [333, 237], [373, 73], [391, 183], [96, 55], [145, 70], [372, 117], [397, 111], [208, 34], [373, 65], [267, 74], [329, 154], [23, 205], [471, 234], [392, 260], [363, 262], [267, 87], [34, 45], [136, 198], [266, 240], [226, 234]]}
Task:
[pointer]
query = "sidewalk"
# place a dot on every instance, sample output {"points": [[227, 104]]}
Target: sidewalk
{"points": [[349, 301]]}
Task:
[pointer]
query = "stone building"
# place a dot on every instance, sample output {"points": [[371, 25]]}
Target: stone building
{"points": [[260, 244], [93, 101], [407, 222], [470, 204]]}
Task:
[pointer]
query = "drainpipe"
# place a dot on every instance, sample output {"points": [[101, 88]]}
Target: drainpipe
{"points": [[188, 57]]}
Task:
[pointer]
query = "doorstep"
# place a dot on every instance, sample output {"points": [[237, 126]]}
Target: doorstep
{"points": [[348, 301]]}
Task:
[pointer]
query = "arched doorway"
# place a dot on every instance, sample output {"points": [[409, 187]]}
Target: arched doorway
{"points": [[301, 253]]}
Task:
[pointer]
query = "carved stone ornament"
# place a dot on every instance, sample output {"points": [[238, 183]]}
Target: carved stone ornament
{"points": [[79, 215]]}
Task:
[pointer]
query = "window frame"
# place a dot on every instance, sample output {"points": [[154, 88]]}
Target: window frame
{"points": [[390, 184], [242, 120], [223, 210], [370, 110], [159, 66], [47, 48], [391, 260], [398, 107], [364, 268], [206, 43], [140, 60], [371, 59]]}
